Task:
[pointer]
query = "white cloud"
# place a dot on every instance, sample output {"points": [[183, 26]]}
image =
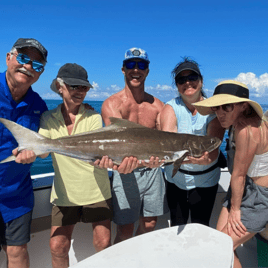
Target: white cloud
{"points": [[257, 85], [51, 96], [98, 96], [159, 87], [114, 88], [95, 86]]}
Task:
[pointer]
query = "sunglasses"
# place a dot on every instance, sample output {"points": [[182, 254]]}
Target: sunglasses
{"points": [[79, 88], [142, 65], [183, 79], [226, 107], [24, 59]]}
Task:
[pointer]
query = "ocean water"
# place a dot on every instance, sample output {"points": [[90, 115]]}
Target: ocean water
{"points": [[41, 166]]}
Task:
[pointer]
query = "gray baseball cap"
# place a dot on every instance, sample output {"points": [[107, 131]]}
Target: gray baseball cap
{"points": [[30, 42]]}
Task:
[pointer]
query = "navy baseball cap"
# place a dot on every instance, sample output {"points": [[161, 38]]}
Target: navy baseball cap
{"points": [[30, 42]]}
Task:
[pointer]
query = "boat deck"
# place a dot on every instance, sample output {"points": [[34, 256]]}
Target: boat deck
{"points": [[82, 237]]}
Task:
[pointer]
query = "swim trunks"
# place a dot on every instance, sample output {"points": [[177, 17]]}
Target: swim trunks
{"points": [[140, 193]]}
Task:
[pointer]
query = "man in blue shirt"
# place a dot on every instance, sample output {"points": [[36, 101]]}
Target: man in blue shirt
{"points": [[19, 103]]}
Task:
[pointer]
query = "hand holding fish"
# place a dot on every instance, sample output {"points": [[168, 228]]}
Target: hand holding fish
{"points": [[24, 156], [127, 166], [203, 160], [154, 162]]}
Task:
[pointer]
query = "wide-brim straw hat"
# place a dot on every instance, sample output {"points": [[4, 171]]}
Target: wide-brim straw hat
{"points": [[226, 92]]}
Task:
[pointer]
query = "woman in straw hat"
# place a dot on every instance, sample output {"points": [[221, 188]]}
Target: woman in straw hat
{"points": [[245, 210], [192, 191]]}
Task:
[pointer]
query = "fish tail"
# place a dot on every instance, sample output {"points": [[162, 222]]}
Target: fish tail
{"points": [[8, 159], [26, 139]]}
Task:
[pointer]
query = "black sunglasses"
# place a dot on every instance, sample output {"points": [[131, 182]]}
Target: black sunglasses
{"points": [[78, 88], [226, 107], [183, 79], [142, 65]]}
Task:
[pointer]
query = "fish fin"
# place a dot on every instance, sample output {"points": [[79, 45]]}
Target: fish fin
{"points": [[26, 138], [123, 123], [178, 162], [8, 159], [116, 124], [167, 164]]}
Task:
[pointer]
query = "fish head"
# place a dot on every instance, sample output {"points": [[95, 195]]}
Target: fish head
{"points": [[200, 144]]}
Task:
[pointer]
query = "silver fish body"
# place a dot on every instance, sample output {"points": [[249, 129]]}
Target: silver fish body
{"points": [[122, 138]]}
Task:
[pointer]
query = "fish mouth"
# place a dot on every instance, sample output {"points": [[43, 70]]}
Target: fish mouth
{"points": [[24, 71], [215, 145]]}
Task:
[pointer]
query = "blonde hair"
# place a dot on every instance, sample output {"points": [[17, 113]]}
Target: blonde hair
{"points": [[250, 114]]}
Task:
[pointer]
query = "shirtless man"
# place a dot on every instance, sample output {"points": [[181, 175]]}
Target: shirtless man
{"points": [[141, 192]]}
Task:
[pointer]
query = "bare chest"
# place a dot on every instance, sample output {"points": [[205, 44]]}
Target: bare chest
{"points": [[144, 114]]}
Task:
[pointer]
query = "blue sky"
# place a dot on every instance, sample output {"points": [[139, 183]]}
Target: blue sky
{"points": [[229, 40]]}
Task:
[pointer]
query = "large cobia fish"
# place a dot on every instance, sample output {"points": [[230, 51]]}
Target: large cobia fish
{"points": [[120, 139]]}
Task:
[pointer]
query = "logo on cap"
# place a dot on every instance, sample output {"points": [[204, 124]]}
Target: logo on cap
{"points": [[136, 52]]}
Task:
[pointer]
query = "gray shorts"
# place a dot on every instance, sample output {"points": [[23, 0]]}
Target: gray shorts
{"points": [[16, 232], [254, 206], [140, 193]]}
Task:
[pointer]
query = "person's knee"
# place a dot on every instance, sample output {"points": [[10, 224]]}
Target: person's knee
{"points": [[16, 252], [59, 246], [102, 242], [147, 224], [125, 231]]}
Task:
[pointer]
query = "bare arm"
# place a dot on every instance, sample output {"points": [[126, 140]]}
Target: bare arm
{"points": [[168, 120], [110, 108]]}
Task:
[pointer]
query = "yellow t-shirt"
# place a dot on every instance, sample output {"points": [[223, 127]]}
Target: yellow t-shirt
{"points": [[76, 182]]}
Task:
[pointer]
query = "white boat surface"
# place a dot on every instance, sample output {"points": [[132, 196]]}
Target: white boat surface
{"points": [[191, 245], [82, 247]]}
